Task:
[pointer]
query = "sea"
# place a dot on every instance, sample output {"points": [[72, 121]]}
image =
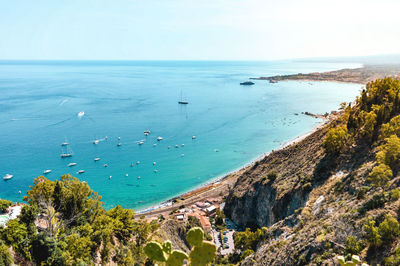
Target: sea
{"points": [[224, 125]]}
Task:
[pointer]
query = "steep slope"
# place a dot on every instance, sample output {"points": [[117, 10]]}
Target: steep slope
{"points": [[334, 193]]}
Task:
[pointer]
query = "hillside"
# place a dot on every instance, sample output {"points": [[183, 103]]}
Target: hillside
{"points": [[334, 193], [360, 75]]}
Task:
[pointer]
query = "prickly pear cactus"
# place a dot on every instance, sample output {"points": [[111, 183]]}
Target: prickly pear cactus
{"points": [[154, 251], [355, 260], [176, 258], [202, 254], [195, 236], [167, 246]]}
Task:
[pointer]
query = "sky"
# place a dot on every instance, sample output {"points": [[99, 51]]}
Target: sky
{"points": [[197, 29]]}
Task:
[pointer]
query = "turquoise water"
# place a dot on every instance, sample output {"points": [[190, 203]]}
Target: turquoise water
{"points": [[39, 103]]}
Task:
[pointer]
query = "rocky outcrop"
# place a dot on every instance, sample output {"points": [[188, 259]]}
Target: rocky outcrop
{"points": [[279, 184]]}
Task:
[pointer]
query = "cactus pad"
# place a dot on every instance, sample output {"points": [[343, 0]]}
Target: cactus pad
{"points": [[195, 236], [167, 246], [203, 254], [154, 251], [176, 258]]}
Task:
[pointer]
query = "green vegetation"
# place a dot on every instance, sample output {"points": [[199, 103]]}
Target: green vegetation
{"points": [[335, 140], [74, 227], [249, 240], [4, 204], [380, 175], [202, 253]]}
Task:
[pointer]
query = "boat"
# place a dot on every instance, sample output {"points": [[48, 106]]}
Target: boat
{"points": [[147, 132], [80, 114], [182, 145], [71, 164], [7, 177], [140, 142], [126, 174], [119, 138], [193, 137], [154, 163], [96, 159], [138, 177], [154, 145], [181, 101], [159, 138], [81, 171], [182, 155], [138, 162], [67, 152], [96, 141], [176, 146], [64, 144], [247, 83], [119, 144], [46, 171], [155, 170], [105, 165], [169, 147]]}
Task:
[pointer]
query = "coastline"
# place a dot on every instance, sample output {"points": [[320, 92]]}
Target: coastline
{"points": [[216, 186]]}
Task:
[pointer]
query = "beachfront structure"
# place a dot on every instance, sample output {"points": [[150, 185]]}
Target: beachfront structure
{"points": [[211, 210]]}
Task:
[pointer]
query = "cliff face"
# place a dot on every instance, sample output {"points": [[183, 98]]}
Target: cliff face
{"points": [[258, 200]]}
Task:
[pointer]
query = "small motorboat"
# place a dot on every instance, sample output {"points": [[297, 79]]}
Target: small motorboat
{"points": [[64, 144], [119, 138], [96, 159], [154, 145], [182, 145], [110, 177], [138, 162], [154, 163], [247, 83], [131, 164], [96, 141], [65, 155], [71, 164], [46, 171], [169, 147], [176, 146], [193, 137], [138, 177], [7, 177], [182, 155], [119, 144], [126, 174], [140, 142], [80, 114], [105, 165], [159, 138], [147, 132], [155, 170], [81, 171]]}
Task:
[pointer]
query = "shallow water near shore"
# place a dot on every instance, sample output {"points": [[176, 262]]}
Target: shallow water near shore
{"points": [[233, 124]]}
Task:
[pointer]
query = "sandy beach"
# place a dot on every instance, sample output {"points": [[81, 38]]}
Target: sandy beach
{"points": [[219, 187]]}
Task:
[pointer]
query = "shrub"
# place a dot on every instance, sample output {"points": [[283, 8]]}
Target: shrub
{"points": [[377, 201], [393, 260], [246, 253], [380, 175], [335, 140], [352, 245], [389, 153], [307, 186], [394, 194], [272, 176], [389, 229], [372, 234]]}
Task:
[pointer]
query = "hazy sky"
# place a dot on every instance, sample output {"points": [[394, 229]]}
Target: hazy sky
{"points": [[197, 29]]}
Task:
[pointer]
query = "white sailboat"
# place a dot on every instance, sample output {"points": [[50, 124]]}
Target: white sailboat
{"points": [[7, 177]]}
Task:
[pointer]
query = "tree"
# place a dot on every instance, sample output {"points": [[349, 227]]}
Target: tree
{"points": [[380, 175], [389, 153], [335, 140], [5, 256], [4, 204]]}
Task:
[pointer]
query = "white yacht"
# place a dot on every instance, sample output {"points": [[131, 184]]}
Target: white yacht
{"points": [[159, 138], [140, 142], [7, 177], [71, 164], [119, 144], [96, 159], [147, 132], [64, 144], [96, 141], [81, 171], [193, 137], [46, 171]]}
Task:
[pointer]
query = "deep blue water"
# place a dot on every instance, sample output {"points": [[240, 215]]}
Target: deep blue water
{"points": [[39, 103]]}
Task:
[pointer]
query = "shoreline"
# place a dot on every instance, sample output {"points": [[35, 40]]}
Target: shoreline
{"points": [[196, 193]]}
